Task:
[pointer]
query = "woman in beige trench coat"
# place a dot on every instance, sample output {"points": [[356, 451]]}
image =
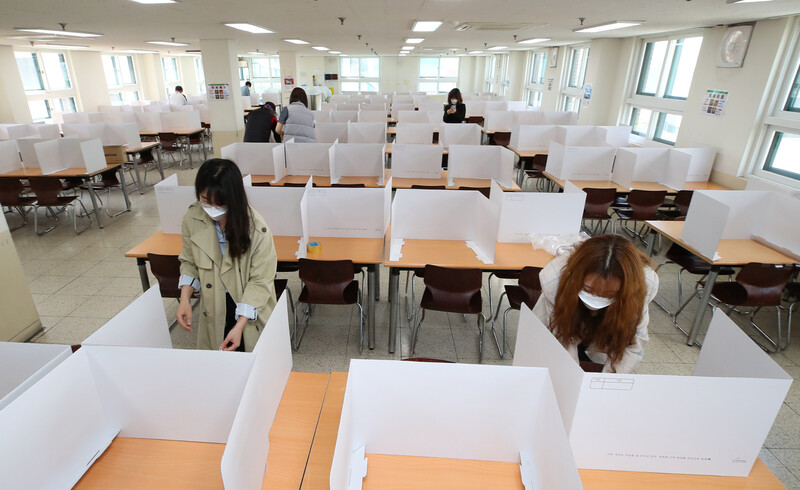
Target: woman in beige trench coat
{"points": [[229, 258]]}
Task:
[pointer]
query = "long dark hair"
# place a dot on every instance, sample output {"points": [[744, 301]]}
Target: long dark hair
{"points": [[455, 94], [221, 180], [608, 256], [298, 95]]}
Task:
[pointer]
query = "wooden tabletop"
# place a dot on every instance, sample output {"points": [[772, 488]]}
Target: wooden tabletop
{"points": [[639, 185], [359, 250], [189, 132], [393, 130], [323, 181], [149, 463], [25, 173], [401, 472], [407, 183], [146, 145], [527, 153], [731, 252]]}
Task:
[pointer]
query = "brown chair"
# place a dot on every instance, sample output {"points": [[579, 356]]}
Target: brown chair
{"points": [[527, 291], [167, 269], [757, 285], [428, 187], [197, 140], [146, 158], [500, 138], [329, 282], [426, 359], [108, 181], [591, 367], [483, 190], [679, 206], [170, 144], [262, 184], [643, 206], [452, 291], [298, 184], [598, 201], [793, 290], [534, 168], [475, 120], [11, 191], [48, 192], [361, 185]]}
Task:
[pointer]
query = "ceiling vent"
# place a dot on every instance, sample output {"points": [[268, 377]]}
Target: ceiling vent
{"points": [[496, 26]]}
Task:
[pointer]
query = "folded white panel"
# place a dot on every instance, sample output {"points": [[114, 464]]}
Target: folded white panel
{"points": [[423, 161], [772, 228], [431, 105], [397, 108], [517, 105], [357, 160], [322, 116], [532, 137], [373, 115], [345, 212], [157, 108], [498, 120], [339, 116], [402, 99], [579, 136], [413, 134], [246, 102], [539, 213], [143, 323], [640, 165], [615, 135], [480, 162], [279, 162], [350, 107], [307, 158], [494, 105], [87, 153], [434, 214], [487, 223], [528, 118], [366, 132], [180, 121], [280, 208], [23, 364], [702, 160], [181, 108], [274, 97], [251, 158], [413, 117], [173, 200], [328, 132], [28, 152], [459, 134], [149, 122], [580, 162], [82, 130], [609, 417], [122, 134], [529, 432], [677, 170], [255, 100], [475, 108], [561, 118], [9, 156]]}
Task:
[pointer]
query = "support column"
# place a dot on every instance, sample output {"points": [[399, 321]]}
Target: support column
{"points": [[90, 79], [288, 69], [220, 65], [13, 103], [151, 77]]}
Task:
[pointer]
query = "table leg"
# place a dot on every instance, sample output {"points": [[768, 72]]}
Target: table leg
{"points": [[136, 159], [189, 152], [93, 196], [372, 275], [203, 142], [124, 187], [141, 263], [394, 307], [651, 242], [701, 309], [158, 163], [377, 287]]}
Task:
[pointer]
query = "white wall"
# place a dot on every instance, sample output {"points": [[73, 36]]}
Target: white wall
{"points": [[550, 96], [308, 67], [90, 79], [515, 74], [604, 56], [13, 103], [151, 77], [188, 75]]}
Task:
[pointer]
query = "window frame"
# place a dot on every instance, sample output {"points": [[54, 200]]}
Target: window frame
{"points": [[50, 97], [274, 83], [127, 92], [169, 86], [438, 79], [570, 96], [535, 86], [495, 82], [361, 80]]}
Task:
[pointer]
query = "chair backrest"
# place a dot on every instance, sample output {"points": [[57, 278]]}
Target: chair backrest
{"points": [[453, 290], [47, 190], [348, 185], [167, 269], [645, 204], [529, 282], [169, 141], [146, 156], [483, 190], [327, 281], [682, 201], [426, 359], [429, 187], [764, 283], [261, 184], [109, 178], [598, 201], [10, 190]]}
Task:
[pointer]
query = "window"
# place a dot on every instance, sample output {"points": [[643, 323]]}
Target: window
{"points": [[120, 78], [537, 64], [662, 84], [47, 81], [574, 77], [200, 75], [172, 76], [359, 75], [496, 74], [776, 155], [266, 74], [438, 75]]}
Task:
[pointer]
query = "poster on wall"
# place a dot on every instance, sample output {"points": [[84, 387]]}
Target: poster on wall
{"points": [[219, 91], [714, 102], [288, 82], [587, 95], [549, 84]]}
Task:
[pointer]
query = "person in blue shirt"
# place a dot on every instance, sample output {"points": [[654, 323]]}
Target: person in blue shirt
{"points": [[246, 88]]}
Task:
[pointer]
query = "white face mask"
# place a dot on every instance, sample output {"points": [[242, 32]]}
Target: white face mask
{"points": [[594, 302], [214, 212], [454, 101]]}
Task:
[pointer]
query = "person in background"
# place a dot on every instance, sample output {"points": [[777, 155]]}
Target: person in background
{"points": [[595, 300], [296, 120], [454, 110], [177, 97], [228, 256], [260, 123], [246, 88]]}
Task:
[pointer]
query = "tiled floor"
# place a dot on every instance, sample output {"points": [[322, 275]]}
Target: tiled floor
{"points": [[80, 282]]}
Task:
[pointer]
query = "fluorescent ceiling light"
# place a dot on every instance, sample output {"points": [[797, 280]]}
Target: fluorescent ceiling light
{"points": [[136, 51], [425, 26], [167, 43], [534, 40], [334, 52], [414, 40], [256, 53], [475, 52], [60, 46], [320, 48], [408, 48], [295, 41], [250, 28], [609, 26], [748, 1], [342, 54], [403, 54], [497, 48], [56, 32], [155, 2]]}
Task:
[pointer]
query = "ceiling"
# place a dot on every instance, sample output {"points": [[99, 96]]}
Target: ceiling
{"points": [[382, 24]]}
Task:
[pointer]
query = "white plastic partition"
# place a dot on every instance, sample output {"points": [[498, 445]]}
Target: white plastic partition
{"points": [[9, 156], [143, 323], [148, 122], [339, 116], [459, 134], [27, 150], [376, 116], [561, 118], [417, 161], [475, 108], [580, 136], [527, 118], [480, 162], [580, 162], [498, 121], [366, 132], [533, 137], [330, 132], [148, 393], [23, 364], [537, 213], [323, 116], [307, 158], [173, 200], [609, 417], [253, 158], [357, 160], [280, 208], [701, 160], [413, 134], [529, 432], [615, 135], [412, 116], [180, 121], [642, 165], [64, 153]]}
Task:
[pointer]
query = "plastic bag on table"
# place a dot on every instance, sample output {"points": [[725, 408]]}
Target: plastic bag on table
{"points": [[556, 244]]}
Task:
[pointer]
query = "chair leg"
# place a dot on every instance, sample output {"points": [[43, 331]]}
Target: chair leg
{"points": [[500, 348], [299, 339], [416, 327], [489, 285], [360, 328], [481, 329]]}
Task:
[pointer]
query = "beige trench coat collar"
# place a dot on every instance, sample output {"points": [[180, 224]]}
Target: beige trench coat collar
{"points": [[207, 241]]}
